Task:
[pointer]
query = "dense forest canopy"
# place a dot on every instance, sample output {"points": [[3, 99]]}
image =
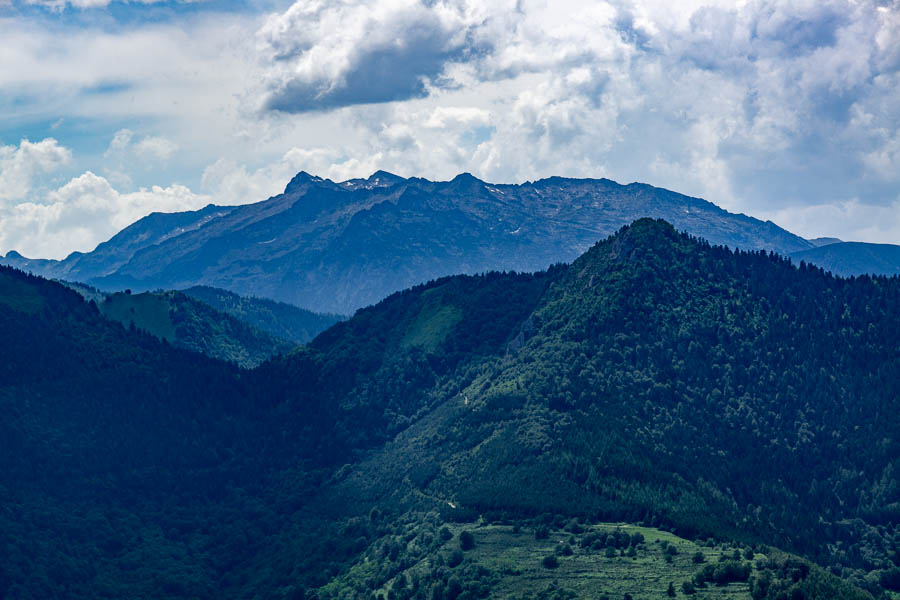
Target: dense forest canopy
{"points": [[656, 380], [279, 319]]}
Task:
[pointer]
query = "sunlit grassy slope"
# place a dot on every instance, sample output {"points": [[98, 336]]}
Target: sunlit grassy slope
{"points": [[430, 560]]}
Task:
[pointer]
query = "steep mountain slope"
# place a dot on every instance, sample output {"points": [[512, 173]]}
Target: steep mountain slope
{"points": [[194, 325], [334, 247], [131, 468], [853, 258], [656, 379], [279, 319], [118, 250]]}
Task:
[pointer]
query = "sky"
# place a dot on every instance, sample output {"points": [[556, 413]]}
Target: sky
{"points": [[110, 110]]}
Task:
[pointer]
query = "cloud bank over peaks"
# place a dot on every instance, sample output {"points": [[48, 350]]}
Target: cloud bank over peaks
{"points": [[84, 212], [776, 108], [755, 105], [77, 215]]}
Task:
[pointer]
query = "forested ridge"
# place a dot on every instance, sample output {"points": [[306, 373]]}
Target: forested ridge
{"points": [[284, 321], [195, 325], [656, 380]]}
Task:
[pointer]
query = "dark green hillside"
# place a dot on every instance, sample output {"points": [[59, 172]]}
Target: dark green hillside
{"points": [[214, 322], [284, 321], [363, 380], [194, 325], [110, 437], [711, 398], [710, 390], [657, 379]]}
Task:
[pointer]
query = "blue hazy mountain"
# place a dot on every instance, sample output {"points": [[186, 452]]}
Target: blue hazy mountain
{"points": [[153, 229], [334, 247], [853, 258]]}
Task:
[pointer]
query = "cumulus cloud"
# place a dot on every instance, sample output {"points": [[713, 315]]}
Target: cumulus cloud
{"points": [[155, 148], [770, 107], [20, 165], [82, 213], [323, 55], [758, 106], [230, 183], [120, 143]]}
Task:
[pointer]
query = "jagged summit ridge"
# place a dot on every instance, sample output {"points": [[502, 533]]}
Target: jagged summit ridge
{"points": [[335, 247]]}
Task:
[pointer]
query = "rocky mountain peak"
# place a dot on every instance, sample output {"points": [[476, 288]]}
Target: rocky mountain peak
{"points": [[300, 179]]}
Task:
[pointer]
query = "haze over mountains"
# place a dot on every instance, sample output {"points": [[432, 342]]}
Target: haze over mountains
{"points": [[853, 258], [335, 247], [655, 380]]}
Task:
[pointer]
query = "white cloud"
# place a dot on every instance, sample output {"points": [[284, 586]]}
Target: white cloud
{"points": [[123, 151], [230, 183], [184, 77], [120, 143], [322, 55], [855, 220], [155, 148], [20, 165], [84, 212], [763, 106]]}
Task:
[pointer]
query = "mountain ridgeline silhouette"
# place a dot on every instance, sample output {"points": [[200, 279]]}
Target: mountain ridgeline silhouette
{"points": [[657, 379], [335, 247]]}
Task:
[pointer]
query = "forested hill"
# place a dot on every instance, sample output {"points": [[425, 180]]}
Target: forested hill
{"points": [[657, 379], [194, 325], [214, 322], [284, 321]]}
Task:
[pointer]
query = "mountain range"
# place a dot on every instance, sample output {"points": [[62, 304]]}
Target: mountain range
{"points": [[335, 247], [727, 404]]}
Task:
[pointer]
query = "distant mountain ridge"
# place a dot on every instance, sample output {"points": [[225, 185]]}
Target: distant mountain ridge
{"points": [[153, 229], [853, 258], [335, 247]]}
